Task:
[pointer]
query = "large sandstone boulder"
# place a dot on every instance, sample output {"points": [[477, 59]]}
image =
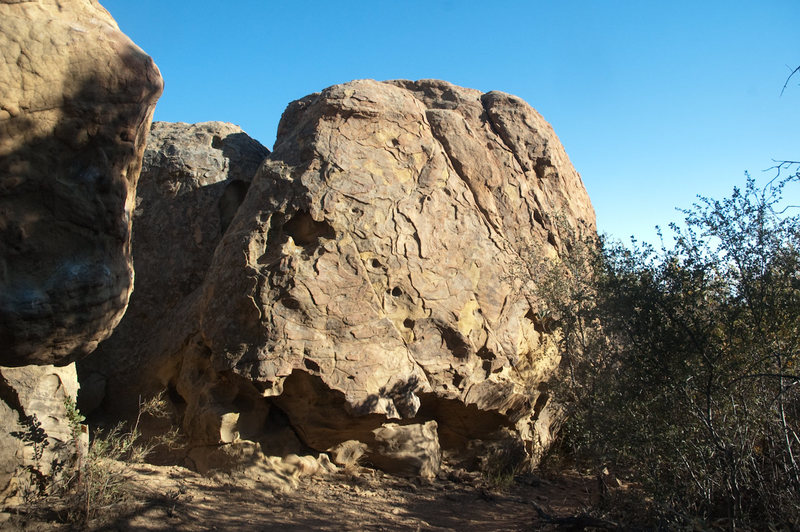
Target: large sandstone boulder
{"points": [[76, 101], [194, 176], [365, 278]]}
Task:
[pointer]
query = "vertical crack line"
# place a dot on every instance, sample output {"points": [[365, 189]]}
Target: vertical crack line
{"points": [[457, 168], [496, 130]]}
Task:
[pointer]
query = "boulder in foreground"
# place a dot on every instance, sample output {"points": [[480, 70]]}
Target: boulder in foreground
{"points": [[365, 277], [76, 101]]}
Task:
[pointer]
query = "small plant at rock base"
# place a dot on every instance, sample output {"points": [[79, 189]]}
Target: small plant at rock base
{"points": [[40, 477], [97, 479], [100, 483], [502, 461]]}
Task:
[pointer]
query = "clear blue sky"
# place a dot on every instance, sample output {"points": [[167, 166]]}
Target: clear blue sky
{"points": [[655, 102]]}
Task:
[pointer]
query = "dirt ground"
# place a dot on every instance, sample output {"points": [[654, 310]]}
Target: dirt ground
{"points": [[175, 498]]}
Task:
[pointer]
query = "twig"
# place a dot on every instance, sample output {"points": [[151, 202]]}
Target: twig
{"points": [[575, 522], [790, 77]]}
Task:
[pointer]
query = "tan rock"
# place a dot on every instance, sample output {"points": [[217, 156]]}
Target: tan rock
{"points": [[348, 453], [407, 450], [36, 430], [365, 278], [76, 101]]}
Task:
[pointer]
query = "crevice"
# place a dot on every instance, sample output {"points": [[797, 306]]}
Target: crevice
{"points": [[457, 167], [497, 131], [454, 340], [229, 202]]}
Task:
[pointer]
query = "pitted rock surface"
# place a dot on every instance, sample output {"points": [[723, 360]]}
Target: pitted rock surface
{"points": [[36, 433], [193, 179], [365, 277], [76, 101]]}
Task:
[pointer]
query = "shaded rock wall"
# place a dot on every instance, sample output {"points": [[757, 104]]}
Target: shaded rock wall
{"points": [[193, 179], [37, 436]]}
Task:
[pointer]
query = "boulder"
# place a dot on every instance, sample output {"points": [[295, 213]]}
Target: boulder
{"points": [[407, 450], [76, 101], [365, 279], [194, 176]]}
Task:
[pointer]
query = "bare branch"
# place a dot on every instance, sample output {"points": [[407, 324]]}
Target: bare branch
{"points": [[790, 77]]}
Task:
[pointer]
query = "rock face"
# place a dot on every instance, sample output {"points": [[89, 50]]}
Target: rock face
{"points": [[194, 176], [362, 289], [36, 437], [76, 101]]}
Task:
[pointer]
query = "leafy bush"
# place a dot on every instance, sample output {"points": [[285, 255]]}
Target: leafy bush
{"points": [[680, 363]]}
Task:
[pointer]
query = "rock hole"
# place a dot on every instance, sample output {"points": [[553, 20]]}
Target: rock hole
{"points": [[542, 167], [551, 239], [459, 423], [229, 202], [305, 230], [408, 323], [397, 292], [540, 403], [486, 354], [455, 342], [395, 142], [375, 263], [243, 403], [311, 365], [216, 142], [290, 302], [537, 216], [457, 380]]}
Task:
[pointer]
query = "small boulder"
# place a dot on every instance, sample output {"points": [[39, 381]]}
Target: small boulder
{"points": [[407, 450]]}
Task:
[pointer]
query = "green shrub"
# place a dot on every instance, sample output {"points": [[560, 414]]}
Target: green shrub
{"points": [[680, 363]]}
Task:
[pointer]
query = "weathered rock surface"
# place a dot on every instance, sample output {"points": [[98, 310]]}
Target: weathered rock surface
{"points": [[365, 277], [37, 442], [194, 176], [76, 101], [408, 450]]}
